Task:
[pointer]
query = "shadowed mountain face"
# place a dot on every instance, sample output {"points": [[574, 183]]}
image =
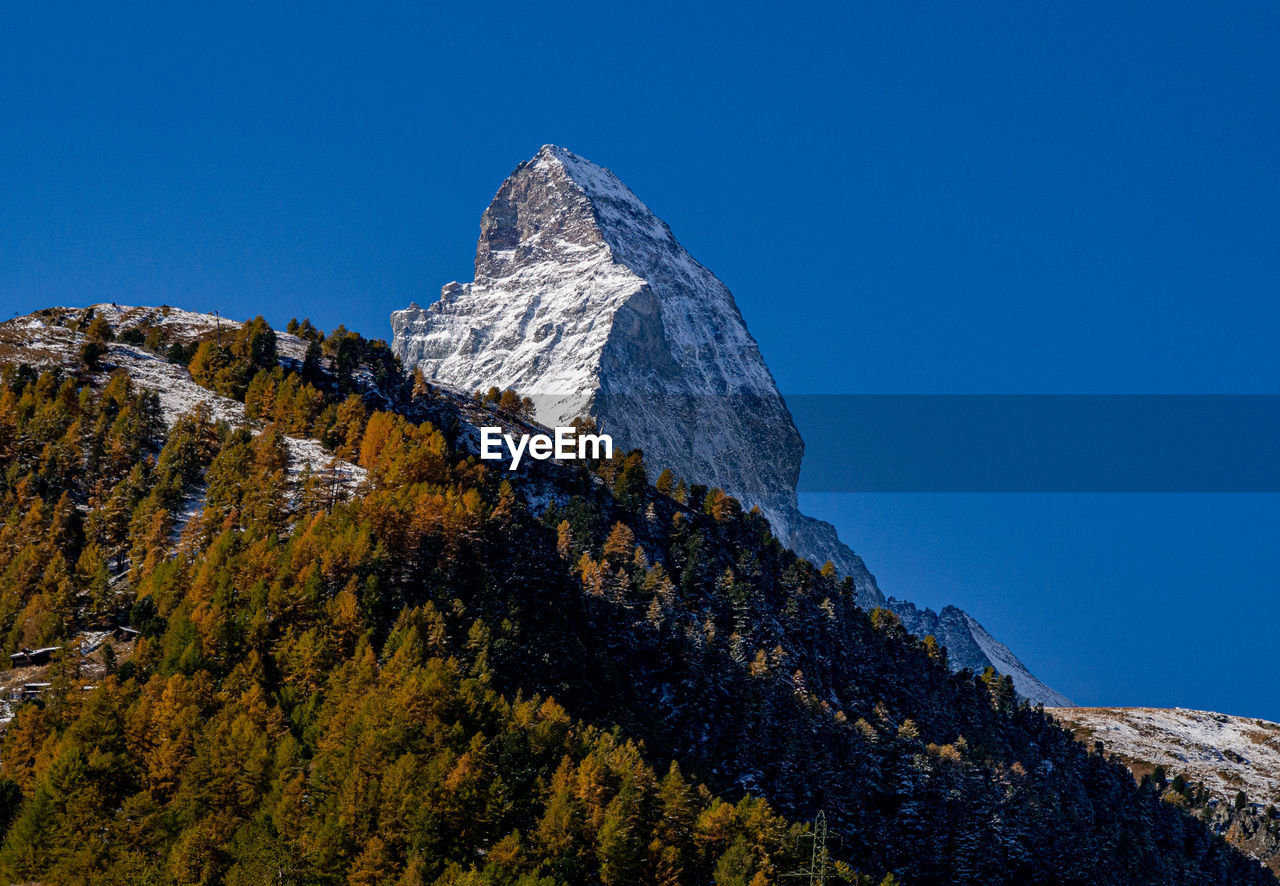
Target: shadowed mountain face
{"points": [[585, 302]]}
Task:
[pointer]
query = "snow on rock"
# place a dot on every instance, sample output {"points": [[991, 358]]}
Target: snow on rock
{"points": [[585, 302], [308, 456], [1006, 662], [970, 645], [178, 394], [192, 503], [1228, 754]]}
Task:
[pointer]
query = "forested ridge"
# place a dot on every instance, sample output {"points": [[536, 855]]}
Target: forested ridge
{"points": [[455, 674]]}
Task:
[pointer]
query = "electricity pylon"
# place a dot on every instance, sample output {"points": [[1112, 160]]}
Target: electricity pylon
{"points": [[817, 870]]}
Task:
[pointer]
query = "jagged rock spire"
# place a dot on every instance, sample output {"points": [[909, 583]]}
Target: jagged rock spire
{"points": [[585, 301]]}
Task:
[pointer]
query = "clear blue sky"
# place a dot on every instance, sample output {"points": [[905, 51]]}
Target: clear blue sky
{"points": [[904, 198]]}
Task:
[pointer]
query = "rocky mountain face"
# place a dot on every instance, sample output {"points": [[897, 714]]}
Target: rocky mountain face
{"points": [[584, 301], [970, 645]]}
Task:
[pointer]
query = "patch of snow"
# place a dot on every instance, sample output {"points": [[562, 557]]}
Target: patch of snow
{"points": [[308, 456], [192, 503], [179, 394]]}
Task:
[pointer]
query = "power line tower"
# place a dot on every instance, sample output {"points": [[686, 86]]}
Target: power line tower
{"points": [[816, 873]]}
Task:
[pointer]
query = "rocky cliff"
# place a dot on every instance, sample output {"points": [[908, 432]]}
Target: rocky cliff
{"points": [[969, 645]]}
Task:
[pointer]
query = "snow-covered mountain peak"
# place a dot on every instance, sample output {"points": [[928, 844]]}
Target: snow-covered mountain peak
{"points": [[618, 210], [596, 182], [573, 271]]}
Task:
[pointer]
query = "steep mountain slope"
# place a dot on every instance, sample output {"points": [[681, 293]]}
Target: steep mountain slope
{"points": [[355, 688], [584, 301], [287, 754], [970, 645]]}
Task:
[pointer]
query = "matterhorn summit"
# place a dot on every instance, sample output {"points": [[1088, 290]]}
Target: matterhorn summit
{"points": [[584, 301]]}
